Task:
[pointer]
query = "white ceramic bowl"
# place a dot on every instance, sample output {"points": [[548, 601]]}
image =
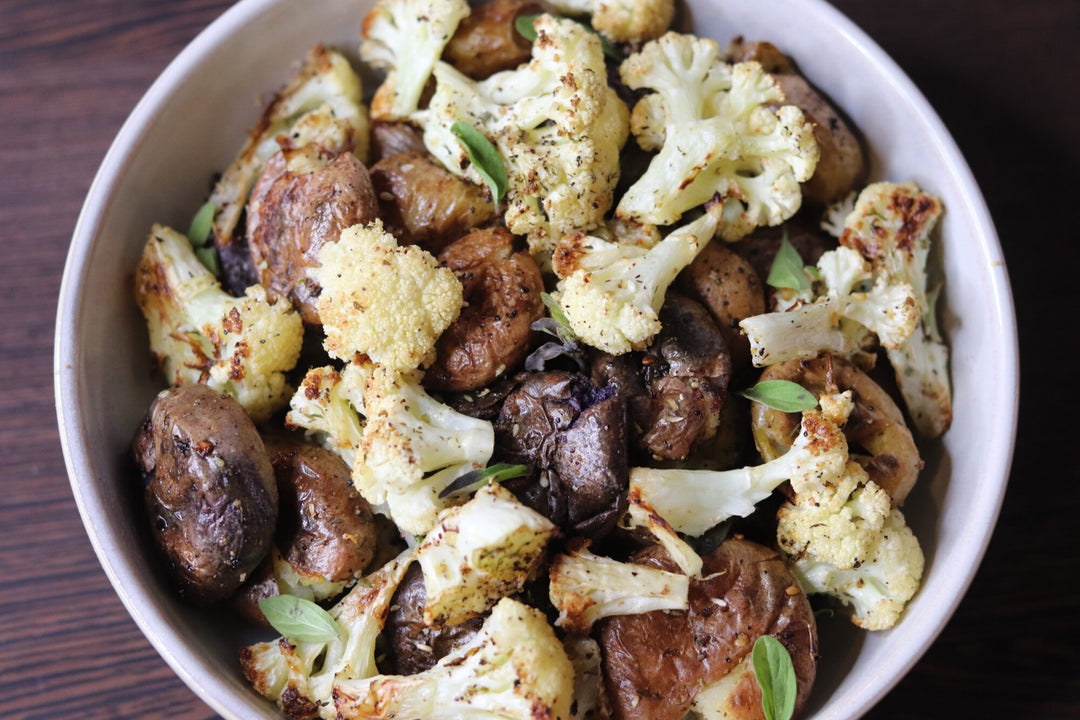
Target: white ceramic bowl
{"points": [[191, 122]]}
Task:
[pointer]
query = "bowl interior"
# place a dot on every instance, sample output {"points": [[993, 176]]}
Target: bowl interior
{"points": [[191, 123]]}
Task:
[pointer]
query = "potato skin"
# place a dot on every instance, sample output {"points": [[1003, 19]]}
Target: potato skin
{"points": [[502, 293], [293, 214], [422, 203], [876, 425], [325, 526], [655, 663], [417, 646], [210, 493], [842, 166], [487, 41], [728, 286]]}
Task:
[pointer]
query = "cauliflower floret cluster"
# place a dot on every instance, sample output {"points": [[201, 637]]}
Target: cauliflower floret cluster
{"points": [[717, 136], [514, 668], [629, 21], [299, 676], [479, 553], [890, 226], [329, 405], [404, 446], [846, 538], [412, 448], [585, 587], [382, 301], [843, 320], [201, 334], [612, 291], [405, 38], [555, 124]]}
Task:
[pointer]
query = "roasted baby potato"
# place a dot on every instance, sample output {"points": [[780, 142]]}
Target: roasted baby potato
{"points": [[659, 665], [210, 492], [879, 438], [303, 200]]}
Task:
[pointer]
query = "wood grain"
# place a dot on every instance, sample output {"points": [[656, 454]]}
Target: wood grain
{"points": [[1000, 73]]}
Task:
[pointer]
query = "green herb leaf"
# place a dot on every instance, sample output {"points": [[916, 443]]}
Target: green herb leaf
{"points": [[208, 257], [565, 332], [787, 268], [299, 619], [524, 26], [201, 225], [473, 479], [781, 395], [776, 677], [484, 156]]}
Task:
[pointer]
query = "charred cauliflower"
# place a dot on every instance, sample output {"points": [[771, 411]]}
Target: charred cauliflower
{"points": [[201, 334], [717, 135], [387, 302], [513, 669], [555, 123]]}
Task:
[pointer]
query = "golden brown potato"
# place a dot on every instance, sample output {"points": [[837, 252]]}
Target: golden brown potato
{"points": [[486, 42], [303, 200], [655, 664], [325, 527], [502, 293], [395, 138], [424, 204], [876, 426], [732, 291], [765, 53]]}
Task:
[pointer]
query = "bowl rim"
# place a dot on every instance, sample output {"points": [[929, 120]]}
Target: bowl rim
{"points": [[122, 573]]}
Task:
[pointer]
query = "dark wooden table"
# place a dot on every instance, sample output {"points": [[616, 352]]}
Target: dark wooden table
{"points": [[1000, 72]]}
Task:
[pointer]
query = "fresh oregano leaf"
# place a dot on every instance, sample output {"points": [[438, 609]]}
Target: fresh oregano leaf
{"points": [[776, 677], [299, 619], [565, 332], [199, 231], [787, 268], [208, 257], [483, 156], [525, 28], [782, 395], [473, 479]]}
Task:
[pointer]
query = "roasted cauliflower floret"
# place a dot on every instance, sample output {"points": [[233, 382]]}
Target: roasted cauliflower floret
{"points": [[629, 21], [555, 124], [387, 302], [845, 537], [613, 292], [692, 501], [201, 334], [412, 448], [330, 406], [880, 586], [405, 38], [891, 226], [718, 136], [299, 676], [321, 105], [513, 669], [844, 318], [479, 553], [585, 587]]}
